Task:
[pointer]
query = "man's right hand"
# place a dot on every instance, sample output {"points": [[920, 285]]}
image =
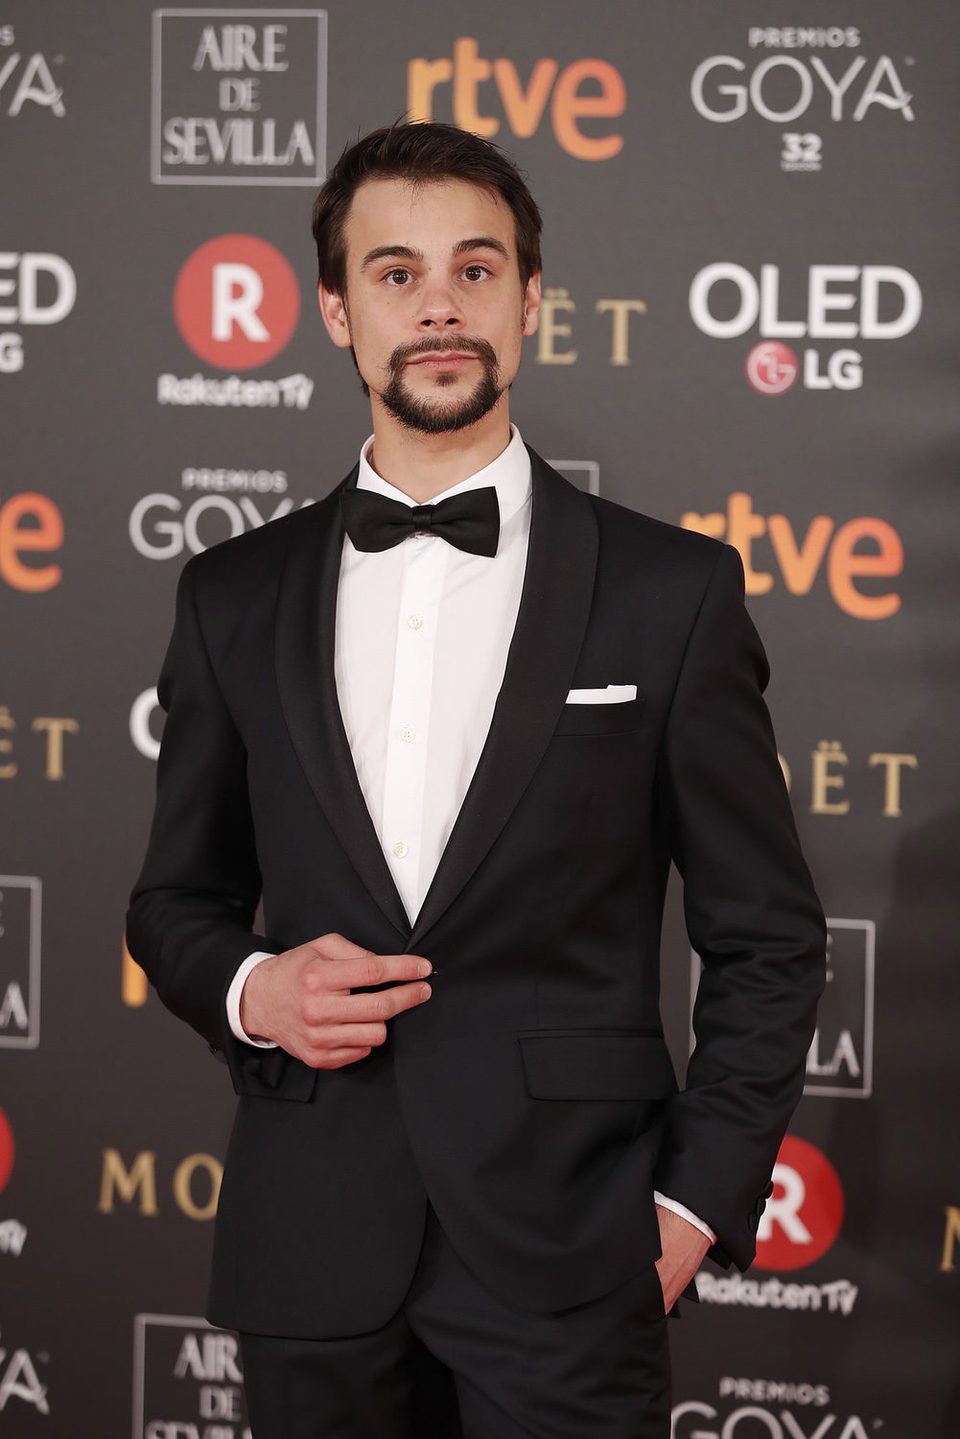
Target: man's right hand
{"points": [[301, 999]]}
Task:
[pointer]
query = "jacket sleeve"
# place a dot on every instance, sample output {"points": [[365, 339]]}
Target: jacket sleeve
{"points": [[752, 915], [191, 910]]}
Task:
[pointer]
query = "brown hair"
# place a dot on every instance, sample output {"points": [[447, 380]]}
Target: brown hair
{"points": [[419, 152]]}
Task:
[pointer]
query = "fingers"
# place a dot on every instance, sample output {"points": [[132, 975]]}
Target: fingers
{"points": [[359, 1018], [337, 1058], [366, 968], [336, 946], [347, 1036], [370, 1008], [336, 1027]]}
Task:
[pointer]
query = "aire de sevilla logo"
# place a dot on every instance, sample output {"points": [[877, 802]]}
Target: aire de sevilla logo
{"points": [[805, 1211], [7, 1150], [236, 302]]}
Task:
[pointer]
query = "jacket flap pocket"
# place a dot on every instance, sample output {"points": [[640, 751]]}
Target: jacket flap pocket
{"points": [[596, 1064]]}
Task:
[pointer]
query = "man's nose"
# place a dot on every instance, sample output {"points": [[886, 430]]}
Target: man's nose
{"points": [[440, 308]]}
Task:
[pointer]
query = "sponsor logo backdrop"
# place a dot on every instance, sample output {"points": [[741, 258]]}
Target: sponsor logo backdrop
{"points": [[750, 336]]}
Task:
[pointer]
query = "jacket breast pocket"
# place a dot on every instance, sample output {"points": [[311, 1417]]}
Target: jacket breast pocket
{"points": [[616, 717], [596, 1064]]}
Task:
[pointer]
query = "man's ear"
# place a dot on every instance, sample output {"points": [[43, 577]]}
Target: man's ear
{"points": [[531, 304], [333, 309]]}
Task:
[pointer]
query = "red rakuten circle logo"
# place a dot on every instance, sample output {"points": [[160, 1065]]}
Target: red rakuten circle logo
{"points": [[772, 368], [804, 1213], [6, 1150], [236, 302]]}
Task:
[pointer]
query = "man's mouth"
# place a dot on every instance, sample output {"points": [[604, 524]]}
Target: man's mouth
{"points": [[442, 360]]}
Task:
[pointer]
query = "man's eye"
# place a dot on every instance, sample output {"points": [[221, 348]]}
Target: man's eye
{"points": [[473, 270], [404, 276]]}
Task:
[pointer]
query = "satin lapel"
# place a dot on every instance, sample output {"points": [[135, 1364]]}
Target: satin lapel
{"points": [[306, 679], [551, 624]]}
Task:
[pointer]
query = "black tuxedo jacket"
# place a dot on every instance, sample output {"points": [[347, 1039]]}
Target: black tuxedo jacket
{"points": [[532, 1098]]}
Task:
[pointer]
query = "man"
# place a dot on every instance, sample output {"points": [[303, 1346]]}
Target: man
{"points": [[468, 740]]}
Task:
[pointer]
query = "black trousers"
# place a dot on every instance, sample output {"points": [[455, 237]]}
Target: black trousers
{"points": [[456, 1362]]}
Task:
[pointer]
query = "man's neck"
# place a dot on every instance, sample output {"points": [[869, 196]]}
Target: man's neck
{"points": [[425, 465]]}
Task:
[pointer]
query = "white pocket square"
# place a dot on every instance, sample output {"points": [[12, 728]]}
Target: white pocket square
{"points": [[612, 694]]}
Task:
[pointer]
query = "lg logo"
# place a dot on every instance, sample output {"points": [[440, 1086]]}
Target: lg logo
{"points": [[837, 302]]}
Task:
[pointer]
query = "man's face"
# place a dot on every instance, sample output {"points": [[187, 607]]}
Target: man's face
{"points": [[434, 310]]}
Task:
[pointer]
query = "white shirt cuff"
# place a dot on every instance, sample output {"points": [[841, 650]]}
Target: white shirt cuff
{"points": [[233, 1001], [684, 1213]]}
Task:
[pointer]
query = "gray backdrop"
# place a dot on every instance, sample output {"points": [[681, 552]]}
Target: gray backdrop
{"points": [[749, 257]]}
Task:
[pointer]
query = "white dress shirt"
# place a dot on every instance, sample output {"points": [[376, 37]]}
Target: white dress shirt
{"points": [[422, 635]]}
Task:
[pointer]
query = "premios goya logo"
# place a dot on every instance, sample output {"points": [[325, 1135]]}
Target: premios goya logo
{"points": [[27, 81], [239, 97], [772, 1408], [20, 1381], [216, 504], [236, 305], [187, 1380], [803, 79]]}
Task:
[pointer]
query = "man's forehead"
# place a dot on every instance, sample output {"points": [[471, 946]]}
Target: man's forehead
{"points": [[386, 211]]}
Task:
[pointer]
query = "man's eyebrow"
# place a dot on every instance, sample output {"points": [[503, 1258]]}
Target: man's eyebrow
{"points": [[406, 252], [481, 242], [389, 252]]}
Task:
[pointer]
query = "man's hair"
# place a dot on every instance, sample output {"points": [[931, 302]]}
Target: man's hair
{"points": [[419, 152]]}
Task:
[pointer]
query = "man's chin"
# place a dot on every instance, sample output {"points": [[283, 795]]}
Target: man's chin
{"points": [[434, 415], [439, 422]]}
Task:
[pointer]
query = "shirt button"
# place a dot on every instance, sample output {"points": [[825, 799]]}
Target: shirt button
{"points": [[406, 733], [400, 848], [415, 621]]}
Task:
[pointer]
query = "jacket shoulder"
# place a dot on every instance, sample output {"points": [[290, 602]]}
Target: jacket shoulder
{"points": [[255, 555], [657, 544]]}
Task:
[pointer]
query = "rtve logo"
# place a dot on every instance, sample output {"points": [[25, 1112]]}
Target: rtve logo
{"points": [[803, 1215], [799, 558], [586, 89], [29, 523], [236, 302]]}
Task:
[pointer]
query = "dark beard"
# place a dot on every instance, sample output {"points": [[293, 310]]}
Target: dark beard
{"points": [[428, 418]]}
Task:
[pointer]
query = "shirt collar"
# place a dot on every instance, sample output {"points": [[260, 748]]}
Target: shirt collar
{"points": [[509, 473]]}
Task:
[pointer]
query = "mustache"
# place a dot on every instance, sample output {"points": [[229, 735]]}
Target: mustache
{"points": [[442, 344]]}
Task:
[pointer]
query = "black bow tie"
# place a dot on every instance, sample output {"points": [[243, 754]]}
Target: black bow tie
{"points": [[470, 520]]}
